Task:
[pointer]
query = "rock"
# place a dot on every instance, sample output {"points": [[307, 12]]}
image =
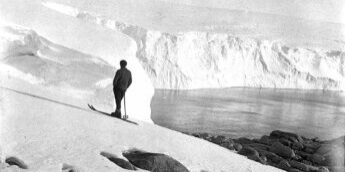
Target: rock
{"points": [[304, 155], [17, 162], [272, 164], [292, 152], [196, 135], [265, 140], [284, 165], [228, 145], [230, 140], [71, 168], [312, 145], [294, 170], [113, 158], [259, 146], [199, 135], [187, 133], [271, 156], [256, 158], [299, 165], [255, 140], [252, 154], [237, 146], [322, 169], [155, 162], [285, 142], [307, 162], [297, 146], [243, 141], [248, 151], [264, 158], [203, 135], [217, 139], [309, 150], [297, 157], [317, 159], [291, 136], [312, 168], [282, 150], [294, 140]]}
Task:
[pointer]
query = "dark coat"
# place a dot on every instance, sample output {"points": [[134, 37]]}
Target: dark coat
{"points": [[122, 79]]}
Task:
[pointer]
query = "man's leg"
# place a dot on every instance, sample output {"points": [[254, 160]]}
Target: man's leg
{"points": [[117, 95]]}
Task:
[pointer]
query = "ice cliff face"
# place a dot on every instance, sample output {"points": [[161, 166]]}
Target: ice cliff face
{"points": [[195, 59], [199, 59], [27, 56]]}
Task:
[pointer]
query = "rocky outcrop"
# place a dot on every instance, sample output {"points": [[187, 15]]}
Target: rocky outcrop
{"points": [[154, 162], [287, 151]]}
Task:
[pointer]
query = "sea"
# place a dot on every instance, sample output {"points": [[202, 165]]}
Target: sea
{"points": [[251, 112]]}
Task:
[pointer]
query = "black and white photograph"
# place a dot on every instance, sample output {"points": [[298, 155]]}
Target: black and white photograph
{"points": [[172, 85]]}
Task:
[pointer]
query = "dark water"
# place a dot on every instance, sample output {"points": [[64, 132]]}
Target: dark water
{"points": [[248, 112]]}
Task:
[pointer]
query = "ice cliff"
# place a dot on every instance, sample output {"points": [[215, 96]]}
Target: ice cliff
{"points": [[198, 59]]}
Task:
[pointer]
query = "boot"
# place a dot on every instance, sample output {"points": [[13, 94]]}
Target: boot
{"points": [[117, 113]]}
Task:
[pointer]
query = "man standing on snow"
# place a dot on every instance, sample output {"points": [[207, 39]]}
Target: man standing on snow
{"points": [[122, 80]]}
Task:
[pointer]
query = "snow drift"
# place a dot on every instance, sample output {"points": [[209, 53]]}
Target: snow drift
{"points": [[34, 59], [197, 59]]}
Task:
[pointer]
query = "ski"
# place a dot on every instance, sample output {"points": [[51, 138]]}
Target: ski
{"points": [[109, 114]]}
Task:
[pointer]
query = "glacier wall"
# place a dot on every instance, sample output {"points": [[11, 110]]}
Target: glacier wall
{"points": [[200, 59], [189, 60]]}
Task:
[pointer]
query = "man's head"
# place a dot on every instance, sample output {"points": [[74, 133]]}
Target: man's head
{"points": [[123, 63]]}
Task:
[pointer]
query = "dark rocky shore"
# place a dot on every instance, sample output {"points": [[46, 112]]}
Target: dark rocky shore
{"points": [[287, 151]]}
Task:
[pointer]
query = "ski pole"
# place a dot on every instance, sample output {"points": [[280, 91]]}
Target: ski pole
{"points": [[124, 97]]}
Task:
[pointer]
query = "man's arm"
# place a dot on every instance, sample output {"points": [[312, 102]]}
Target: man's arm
{"points": [[116, 78], [130, 80]]}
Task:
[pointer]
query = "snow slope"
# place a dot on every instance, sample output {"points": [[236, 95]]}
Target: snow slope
{"points": [[305, 55], [65, 132]]}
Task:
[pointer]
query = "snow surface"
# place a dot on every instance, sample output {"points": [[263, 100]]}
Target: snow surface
{"points": [[207, 59], [65, 132]]}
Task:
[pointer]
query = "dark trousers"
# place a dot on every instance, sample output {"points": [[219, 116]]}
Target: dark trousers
{"points": [[118, 98]]}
